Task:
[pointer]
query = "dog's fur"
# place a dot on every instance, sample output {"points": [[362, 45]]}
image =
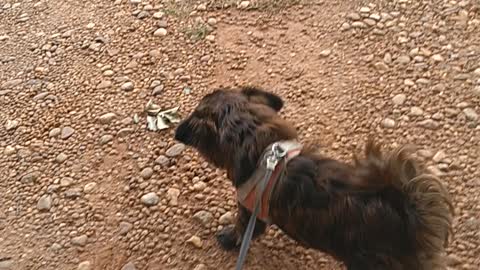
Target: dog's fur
{"points": [[383, 212]]}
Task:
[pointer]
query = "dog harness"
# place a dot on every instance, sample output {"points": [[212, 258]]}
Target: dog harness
{"points": [[270, 170]]}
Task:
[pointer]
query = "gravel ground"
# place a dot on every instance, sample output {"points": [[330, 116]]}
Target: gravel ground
{"points": [[83, 183]]}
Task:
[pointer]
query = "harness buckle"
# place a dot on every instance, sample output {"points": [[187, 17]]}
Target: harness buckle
{"points": [[276, 154]]}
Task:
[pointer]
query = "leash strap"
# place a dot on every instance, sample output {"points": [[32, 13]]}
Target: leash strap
{"points": [[272, 160]]}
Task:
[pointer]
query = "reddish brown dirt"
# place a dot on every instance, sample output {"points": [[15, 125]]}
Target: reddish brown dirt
{"points": [[342, 67]]}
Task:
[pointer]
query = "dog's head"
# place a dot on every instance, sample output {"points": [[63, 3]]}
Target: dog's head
{"points": [[227, 122]]}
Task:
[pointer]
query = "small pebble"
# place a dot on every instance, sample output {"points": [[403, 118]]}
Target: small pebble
{"points": [[150, 199], [9, 150], [107, 118], [439, 156], [399, 99], [146, 173], [360, 25], [416, 111], [203, 217], [175, 150], [80, 240], [73, 193], [157, 90], [199, 186], [471, 114], [388, 123], [353, 16], [85, 265], [202, 7], [172, 194], [162, 160], [88, 188], [160, 32], [440, 87], [403, 59], [6, 264], [381, 66], [476, 91], [124, 132], [66, 132], [212, 21], [124, 227], [408, 82], [54, 132], [438, 116], [129, 266], [325, 53], [104, 84], [429, 124], [61, 158], [195, 241], [108, 73], [11, 124], [437, 58], [66, 181], [226, 218], [44, 203], [128, 86], [364, 10], [106, 139], [200, 267], [210, 38], [244, 4], [158, 15]]}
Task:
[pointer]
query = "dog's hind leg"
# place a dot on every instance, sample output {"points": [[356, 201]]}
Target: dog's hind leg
{"points": [[231, 236]]}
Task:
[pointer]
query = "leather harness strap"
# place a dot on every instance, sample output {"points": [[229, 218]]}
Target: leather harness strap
{"points": [[247, 193], [255, 193]]}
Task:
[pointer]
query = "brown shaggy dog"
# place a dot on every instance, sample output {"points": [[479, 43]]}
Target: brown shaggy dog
{"points": [[384, 212]]}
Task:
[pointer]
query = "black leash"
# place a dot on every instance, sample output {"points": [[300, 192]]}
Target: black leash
{"points": [[272, 159]]}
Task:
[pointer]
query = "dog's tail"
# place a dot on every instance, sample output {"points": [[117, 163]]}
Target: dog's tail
{"points": [[424, 191]]}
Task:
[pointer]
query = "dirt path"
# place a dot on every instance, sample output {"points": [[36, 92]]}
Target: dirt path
{"points": [[82, 186]]}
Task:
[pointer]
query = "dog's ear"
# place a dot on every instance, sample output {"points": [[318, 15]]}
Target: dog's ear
{"points": [[261, 96]]}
